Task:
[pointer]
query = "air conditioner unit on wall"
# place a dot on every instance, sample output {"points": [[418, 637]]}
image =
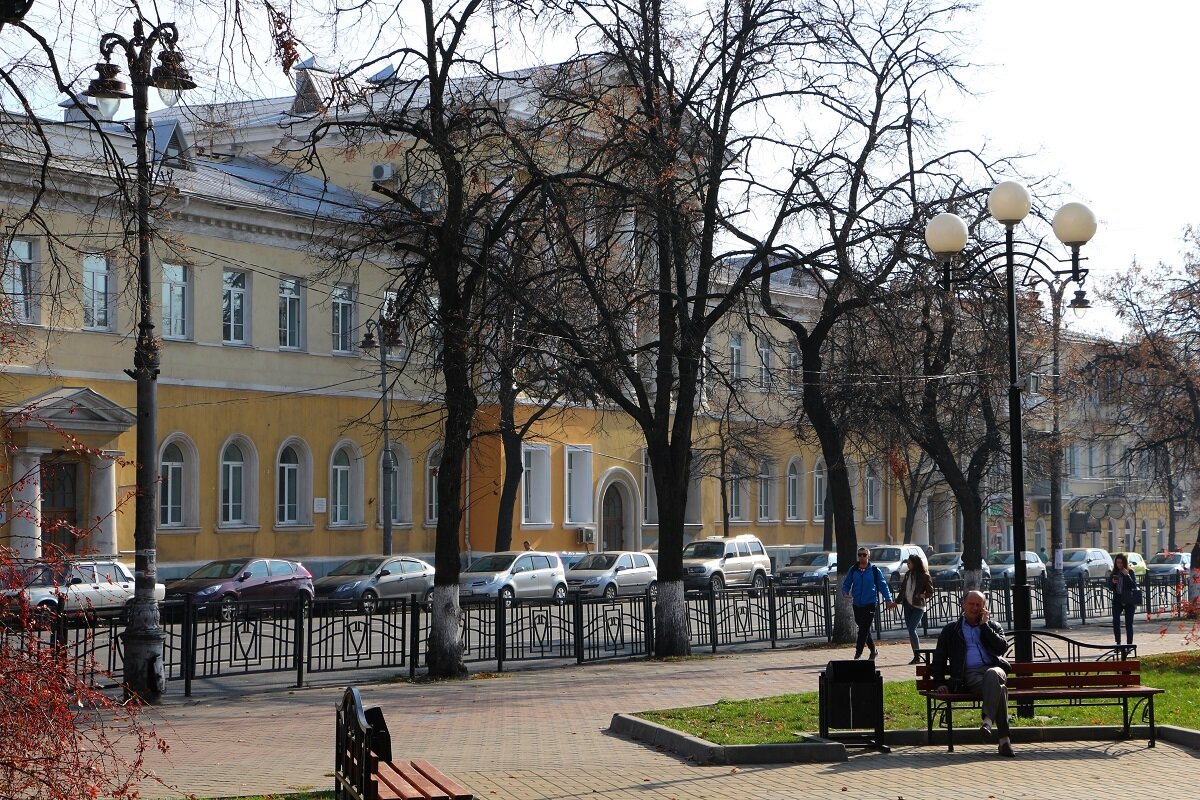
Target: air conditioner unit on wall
{"points": [[382, 172], [587, 535], [1043, 507]]}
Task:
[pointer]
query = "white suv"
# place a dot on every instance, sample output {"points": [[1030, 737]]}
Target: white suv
{"points": [[717, 562], [892, 560]]}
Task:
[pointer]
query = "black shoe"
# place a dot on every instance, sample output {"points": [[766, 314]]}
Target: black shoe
{"points": [[986, 727], [873, 654], [917, 660], [1006, 750], [858, 655]]}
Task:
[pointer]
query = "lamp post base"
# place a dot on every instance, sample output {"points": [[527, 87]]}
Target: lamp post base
{"points": [[145, 678]]}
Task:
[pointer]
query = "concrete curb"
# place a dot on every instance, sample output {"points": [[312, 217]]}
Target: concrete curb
{"points": [[812, 750]]}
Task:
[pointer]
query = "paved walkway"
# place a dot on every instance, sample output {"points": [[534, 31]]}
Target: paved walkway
{"points": [[542, 734]]}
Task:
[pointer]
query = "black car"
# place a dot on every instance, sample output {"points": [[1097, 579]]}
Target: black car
{"points": [[223, 584]]}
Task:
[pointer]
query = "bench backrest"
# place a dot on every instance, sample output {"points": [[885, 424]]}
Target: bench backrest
{"points": [[1058, 675]]}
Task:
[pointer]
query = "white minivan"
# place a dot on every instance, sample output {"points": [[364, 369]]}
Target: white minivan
{"points": [[514, 574]]}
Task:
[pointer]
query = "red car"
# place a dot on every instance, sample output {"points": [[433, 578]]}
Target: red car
{"points": [[223, 584]]}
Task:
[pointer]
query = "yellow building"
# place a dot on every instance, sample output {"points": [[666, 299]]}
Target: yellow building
{"points": [[269, 437]]}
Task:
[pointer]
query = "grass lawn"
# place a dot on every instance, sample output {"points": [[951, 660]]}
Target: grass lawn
{"points": [[779, 719]]}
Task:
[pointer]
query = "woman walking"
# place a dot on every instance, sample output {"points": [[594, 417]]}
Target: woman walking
{"points": [[915, 591], [1125, 599]]}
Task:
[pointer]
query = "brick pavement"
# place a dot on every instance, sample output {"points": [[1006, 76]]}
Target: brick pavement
{"points": [[541, 734]]}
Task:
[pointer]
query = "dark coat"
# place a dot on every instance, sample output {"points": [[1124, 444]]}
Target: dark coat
{"points": [[1124, 587], [950, 657]]}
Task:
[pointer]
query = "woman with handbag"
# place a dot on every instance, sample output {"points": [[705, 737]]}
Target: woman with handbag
{"points": [[1127, 596], [915, 591]]}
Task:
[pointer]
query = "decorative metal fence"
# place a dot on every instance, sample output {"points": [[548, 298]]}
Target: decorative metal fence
{"points": [[329, 636]]}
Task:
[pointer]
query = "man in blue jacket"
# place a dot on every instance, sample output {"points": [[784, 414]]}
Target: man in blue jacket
{"points": [[863, 585]]}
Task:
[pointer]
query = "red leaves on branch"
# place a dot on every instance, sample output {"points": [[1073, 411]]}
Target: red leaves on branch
{"points": [[61, 738]]}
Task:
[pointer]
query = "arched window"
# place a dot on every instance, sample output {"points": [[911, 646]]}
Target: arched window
{"points": [[872, 496], [766, 490], [793, 490], [401, 485], [287, 505], [819, 480], [433, 463], [339, 489], [170, 494], [233, 485]]}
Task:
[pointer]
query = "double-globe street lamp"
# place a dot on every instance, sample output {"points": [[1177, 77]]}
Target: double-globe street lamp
{"points": [[946, 235], [387, 338], [143, 637]]}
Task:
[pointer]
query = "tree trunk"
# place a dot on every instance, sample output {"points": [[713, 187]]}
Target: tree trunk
{"points": [[513, 468], [670, 484]]}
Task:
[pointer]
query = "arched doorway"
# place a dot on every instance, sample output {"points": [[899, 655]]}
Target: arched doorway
{"points": [[613, 519]]}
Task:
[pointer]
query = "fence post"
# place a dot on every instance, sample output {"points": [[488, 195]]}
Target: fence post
{"points": [[299, 650], [577, 613], [712, 617], [826, 601], [187, 644], [1083, 598], [648, 621], [414, 634], [772, 609], [1008, 611], [501, 630]]}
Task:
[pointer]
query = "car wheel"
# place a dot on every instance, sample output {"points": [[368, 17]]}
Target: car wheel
{"points": [[610, 591], [304, 602], [229, 608], [507, 595], [560, 592], [760, 581], [653, 590], [45, 612], [717, 583], [369, 602], [427, 600]]}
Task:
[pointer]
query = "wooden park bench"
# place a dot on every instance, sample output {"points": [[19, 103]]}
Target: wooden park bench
{"points": [[1050, 684], [363, 765]]}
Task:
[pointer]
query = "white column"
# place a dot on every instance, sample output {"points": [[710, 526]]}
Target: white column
{"points": [[941, 523], [25, 524], [102, 502], [920, 533]]}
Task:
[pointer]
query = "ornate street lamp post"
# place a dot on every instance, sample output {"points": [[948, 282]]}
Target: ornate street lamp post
{"points": [[387, 338], [946, 235], [143, 637]]}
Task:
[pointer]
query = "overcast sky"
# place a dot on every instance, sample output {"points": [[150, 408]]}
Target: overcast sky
{"points": [[1104, 94]]}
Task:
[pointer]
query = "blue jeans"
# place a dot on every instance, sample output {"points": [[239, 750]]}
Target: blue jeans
{"points": [[912, 619]]}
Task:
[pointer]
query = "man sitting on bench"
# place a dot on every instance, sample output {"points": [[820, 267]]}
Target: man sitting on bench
{"points": [[973, 648]]}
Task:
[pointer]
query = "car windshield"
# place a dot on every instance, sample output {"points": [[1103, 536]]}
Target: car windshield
{"points": [[704, 550], [810, 560], [597, 561], [358, 566], [220, 569], [1074, 555], [943, 559], [43, 576], [1000, 558], [1167, 558], [885, 554], [497, 562]]}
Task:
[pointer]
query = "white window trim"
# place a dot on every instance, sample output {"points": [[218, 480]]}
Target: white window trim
{"points": [[872, 496], [298, 299], [185, 310], [737, 358], [354, 475], [89, 294], [244, 293], [342, 306], [26, 268], [577, 498], [431, 496], [766, 484], [402, 491], [794, 479], [249, 484], [535, 486], [190, 484], [820, 479], [765, 367]]}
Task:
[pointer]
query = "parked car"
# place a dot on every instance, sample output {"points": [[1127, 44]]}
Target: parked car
{"points": [[1174, 565], [370, 579], [222, 584], [809, 569], [613, 573], [1135, 561], [892, 560], [514, 574], [77, 586], [718, 561], [948, 570], [1003, 565], [1086, 561]]}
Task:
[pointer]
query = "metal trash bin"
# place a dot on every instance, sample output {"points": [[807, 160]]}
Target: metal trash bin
{"points": [[851, 704]]}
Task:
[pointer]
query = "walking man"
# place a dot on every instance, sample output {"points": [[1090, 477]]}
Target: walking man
{"points": [[863, 585]]}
